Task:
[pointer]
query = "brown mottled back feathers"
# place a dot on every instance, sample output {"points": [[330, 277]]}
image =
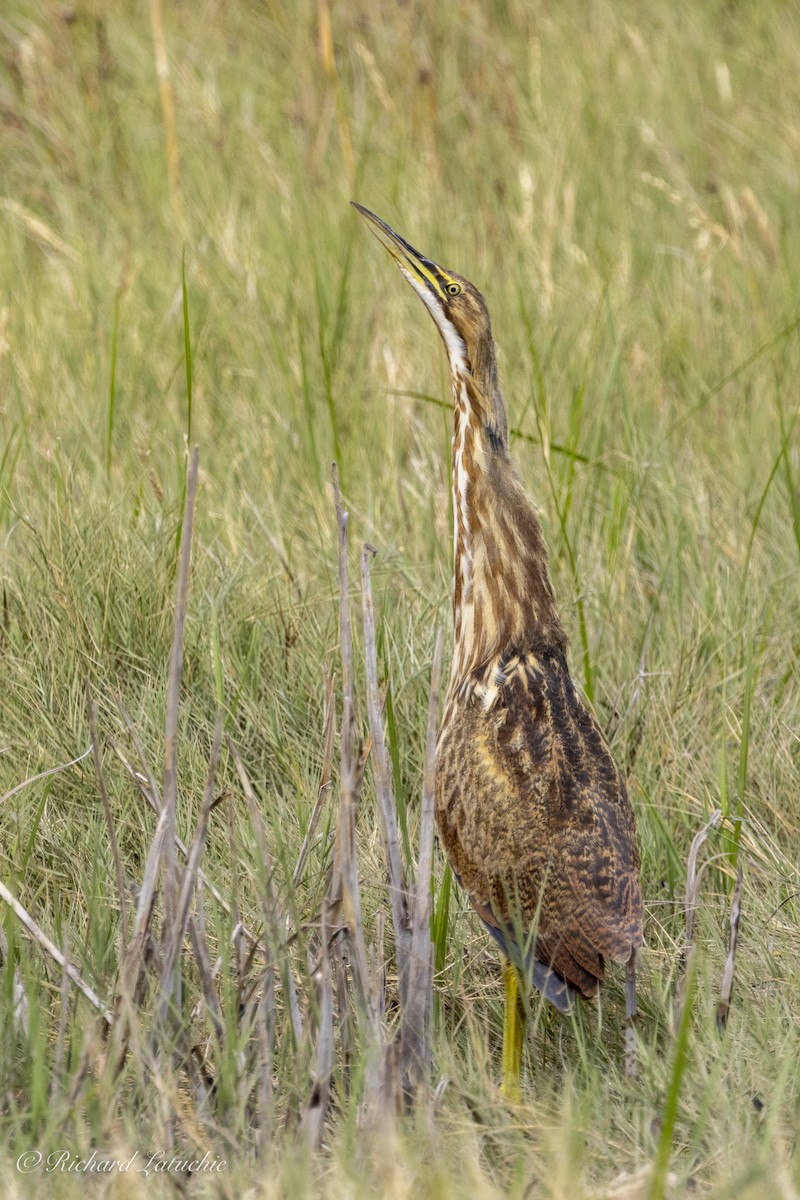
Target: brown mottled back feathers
{"points": [[534, 816]]}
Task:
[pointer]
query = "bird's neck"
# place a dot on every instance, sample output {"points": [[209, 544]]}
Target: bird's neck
{"points": [[503, 602]]}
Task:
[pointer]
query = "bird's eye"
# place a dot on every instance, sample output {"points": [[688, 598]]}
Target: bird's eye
{"points": [[453, 289]]}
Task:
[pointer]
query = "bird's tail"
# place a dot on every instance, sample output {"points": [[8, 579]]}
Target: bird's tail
{"points": [[552, 985]]}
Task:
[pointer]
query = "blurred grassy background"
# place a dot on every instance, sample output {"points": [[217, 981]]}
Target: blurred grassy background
{"points": [[622, 182]]}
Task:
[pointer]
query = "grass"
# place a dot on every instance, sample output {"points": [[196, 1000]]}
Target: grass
{"points": [[621, 181]]}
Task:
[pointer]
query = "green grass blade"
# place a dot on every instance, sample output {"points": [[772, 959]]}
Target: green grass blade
{"points": [[112, 386], [680, 1058]]}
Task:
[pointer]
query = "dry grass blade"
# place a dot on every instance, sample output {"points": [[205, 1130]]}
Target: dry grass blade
{"points": [[174, 694], [177, 934], [152, 791], [328, 738], [142, 784], [133, 958], [693, 876], [398, 897], [416, 1022], [274, 919], [112, 833], [22, 914], [726, 990], [382, 1099], [45, 774], [691, 903]]}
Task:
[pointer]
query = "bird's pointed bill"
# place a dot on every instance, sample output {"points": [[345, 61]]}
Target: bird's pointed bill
{"points": [[415, 266]]}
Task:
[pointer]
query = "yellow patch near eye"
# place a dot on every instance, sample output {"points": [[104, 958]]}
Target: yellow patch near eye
{"points": [[423, 272]]}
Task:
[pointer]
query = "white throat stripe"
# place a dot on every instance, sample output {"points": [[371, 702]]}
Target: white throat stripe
{"points": [[456, 348]]}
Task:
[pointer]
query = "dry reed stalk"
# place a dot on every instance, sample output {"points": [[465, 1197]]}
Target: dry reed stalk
{"points": [[726, 990], [398, 895], [133, 960], [395, 1061], [312, 1121], [343, 931], [692, 900], [417, 1014], [38, 934]]}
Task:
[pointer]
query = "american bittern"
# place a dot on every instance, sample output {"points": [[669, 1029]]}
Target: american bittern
{"points": [[530, 805]]}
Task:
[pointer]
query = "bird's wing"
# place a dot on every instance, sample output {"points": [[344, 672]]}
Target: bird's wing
{"points": [[534, 816], [593, 827]]}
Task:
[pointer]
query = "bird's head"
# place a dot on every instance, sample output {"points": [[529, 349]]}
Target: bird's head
{"points": [[456, 306]]}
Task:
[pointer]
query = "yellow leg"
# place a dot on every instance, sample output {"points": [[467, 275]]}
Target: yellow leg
{"points": [[513, 1029]]}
